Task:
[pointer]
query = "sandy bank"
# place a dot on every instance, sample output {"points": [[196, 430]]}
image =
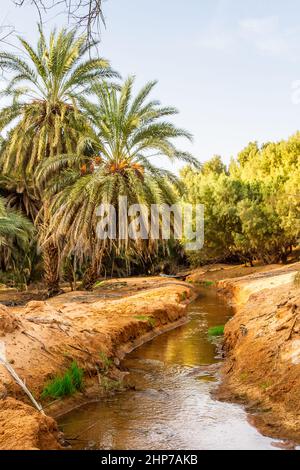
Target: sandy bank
{"points": [[42, 339], [23, 428]]}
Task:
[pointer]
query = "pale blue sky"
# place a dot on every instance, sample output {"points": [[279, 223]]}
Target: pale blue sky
{"points": [[227, 65]]}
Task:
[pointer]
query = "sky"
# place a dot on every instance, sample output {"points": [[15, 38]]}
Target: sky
{"points": [[229, 66]]}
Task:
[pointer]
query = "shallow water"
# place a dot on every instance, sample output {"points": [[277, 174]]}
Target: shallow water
{"points": [[171, 406]]}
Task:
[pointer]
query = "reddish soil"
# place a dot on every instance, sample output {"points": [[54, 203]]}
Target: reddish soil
{"points": [[23, 428]]}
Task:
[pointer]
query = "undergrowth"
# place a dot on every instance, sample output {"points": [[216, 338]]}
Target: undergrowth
{"points": [[65, 385]]}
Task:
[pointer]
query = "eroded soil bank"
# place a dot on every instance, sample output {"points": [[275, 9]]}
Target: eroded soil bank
{"points": [[262, 345], [41, 339]]}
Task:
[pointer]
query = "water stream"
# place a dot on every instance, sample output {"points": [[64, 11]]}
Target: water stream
{"points": [[171, 406]]}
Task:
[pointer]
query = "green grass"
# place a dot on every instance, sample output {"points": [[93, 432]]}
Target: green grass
{"points": [[77, 376], [150, 320], [65, 385], [98, 284], [216, 331]]}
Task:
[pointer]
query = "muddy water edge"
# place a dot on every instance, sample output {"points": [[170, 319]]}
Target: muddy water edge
{"points": [[168, 403]]}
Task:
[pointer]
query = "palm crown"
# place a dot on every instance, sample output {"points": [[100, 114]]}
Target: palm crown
{"points": [[44, 90]]}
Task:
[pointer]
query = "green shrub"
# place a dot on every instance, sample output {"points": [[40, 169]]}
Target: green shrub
{"points": [[216, 331], [65, 385]]}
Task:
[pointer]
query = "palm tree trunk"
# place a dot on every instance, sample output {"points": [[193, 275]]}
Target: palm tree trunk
{"points": [[91, 275], [51, 268]]}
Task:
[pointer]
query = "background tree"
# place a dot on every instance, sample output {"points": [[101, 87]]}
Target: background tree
{"points": [[253, 210]]}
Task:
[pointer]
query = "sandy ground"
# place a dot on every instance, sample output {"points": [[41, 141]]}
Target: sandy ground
{"points": [[41, 339], [262, 344]]}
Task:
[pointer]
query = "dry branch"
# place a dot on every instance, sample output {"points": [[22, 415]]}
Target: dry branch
{"points": [[85, 14]]}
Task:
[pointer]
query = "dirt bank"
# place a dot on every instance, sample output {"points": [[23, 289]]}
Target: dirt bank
{"points": [[42, 339], [23, 428], [262, 345]]}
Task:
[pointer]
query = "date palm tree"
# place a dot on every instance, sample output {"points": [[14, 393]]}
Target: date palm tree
{"points": [[16, 231], [126, 133], [44, 89]]}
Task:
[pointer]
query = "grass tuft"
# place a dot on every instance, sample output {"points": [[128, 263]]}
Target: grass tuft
{"points": [[216, 331], [77, 376], [65, 385], [99, 284]]}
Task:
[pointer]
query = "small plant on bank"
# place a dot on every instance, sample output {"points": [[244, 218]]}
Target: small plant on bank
{"points": [[216, 331], [244, 376], [265, 385], [65, 385], [77, 376], [99, 284], [150, 320], [106, 361], [204, 283], [207, 283], [111, 385]]}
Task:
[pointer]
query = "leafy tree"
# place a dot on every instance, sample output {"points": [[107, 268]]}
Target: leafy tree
{"points": [[214, 165], [253, 211]]}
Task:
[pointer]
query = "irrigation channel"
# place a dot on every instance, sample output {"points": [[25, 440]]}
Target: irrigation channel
{"points": [[170, 403]]}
